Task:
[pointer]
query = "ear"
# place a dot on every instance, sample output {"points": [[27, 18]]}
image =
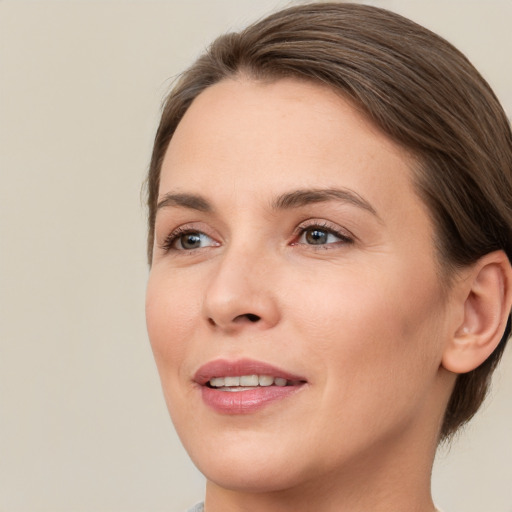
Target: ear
{"points": [[485, 305]]}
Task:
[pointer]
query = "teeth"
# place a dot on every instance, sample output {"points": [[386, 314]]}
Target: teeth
{"points": [[266, 380], [231, 381], [217, 382], [249, 381]]}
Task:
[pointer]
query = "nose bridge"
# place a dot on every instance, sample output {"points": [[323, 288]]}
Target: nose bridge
{"points": [[240, 290]]}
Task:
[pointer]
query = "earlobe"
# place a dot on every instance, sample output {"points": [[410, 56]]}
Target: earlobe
{"points": [[487, 301]]}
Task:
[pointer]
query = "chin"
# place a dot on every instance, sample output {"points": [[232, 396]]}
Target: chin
{"points": [[249, 477], [249, 467]]}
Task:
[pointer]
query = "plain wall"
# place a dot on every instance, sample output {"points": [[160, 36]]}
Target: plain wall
{"points": [[83, 424]]}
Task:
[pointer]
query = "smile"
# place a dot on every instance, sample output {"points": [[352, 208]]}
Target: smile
{"points": [[244, 386], [245, 382]]}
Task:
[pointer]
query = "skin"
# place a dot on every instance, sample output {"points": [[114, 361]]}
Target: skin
{"points": [[363, 318]]}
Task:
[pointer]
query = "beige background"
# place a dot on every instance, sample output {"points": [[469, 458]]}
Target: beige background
{"points": [[83, 426]]}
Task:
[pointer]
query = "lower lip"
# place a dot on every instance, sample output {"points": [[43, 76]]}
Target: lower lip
{"points": [[245, 402]]}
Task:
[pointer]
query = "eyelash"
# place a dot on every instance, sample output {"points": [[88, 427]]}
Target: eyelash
{"points": [[344, 239], [174, 236]]}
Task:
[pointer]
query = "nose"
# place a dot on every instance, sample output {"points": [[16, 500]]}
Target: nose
{"points": [[241, 293]]}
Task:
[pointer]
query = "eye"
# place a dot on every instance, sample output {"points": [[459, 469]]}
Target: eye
{"points": [[321, 235], [187, 240]]}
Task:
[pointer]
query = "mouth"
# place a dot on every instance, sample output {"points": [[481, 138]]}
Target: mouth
{"points": [[244, 386], [247, 382]]}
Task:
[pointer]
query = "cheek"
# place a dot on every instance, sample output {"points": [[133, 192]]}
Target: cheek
{"points": [[171, 313], [374, 343], [371, 326]]}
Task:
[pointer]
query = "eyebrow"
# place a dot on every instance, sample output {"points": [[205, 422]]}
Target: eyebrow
{"points": [[303, 197], [191, 201], [288, 200]]}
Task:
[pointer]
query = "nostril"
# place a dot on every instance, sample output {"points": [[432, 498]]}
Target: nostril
{"points": [[248, 316]]}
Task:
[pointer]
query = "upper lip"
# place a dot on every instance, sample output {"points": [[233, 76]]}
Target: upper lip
{"points": [[237, 368]]}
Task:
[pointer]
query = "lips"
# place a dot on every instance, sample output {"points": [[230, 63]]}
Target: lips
{"points": [[244, 386]]}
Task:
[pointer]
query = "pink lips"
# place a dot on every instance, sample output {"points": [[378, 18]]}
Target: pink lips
{"points": [[250, 400]]}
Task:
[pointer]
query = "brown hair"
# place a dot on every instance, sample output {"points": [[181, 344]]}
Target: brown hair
{"points": [[420, 90]]}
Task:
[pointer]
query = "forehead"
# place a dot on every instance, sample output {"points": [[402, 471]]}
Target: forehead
{"points": [[254, 137]]}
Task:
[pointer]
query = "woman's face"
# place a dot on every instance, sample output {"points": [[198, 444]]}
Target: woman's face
{"points": [[291, 248]]}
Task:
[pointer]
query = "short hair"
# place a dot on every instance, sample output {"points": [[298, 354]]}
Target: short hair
{"points": [[420, 91]]}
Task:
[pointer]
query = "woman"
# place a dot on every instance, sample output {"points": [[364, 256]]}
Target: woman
{"points": [[329, 238]]}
